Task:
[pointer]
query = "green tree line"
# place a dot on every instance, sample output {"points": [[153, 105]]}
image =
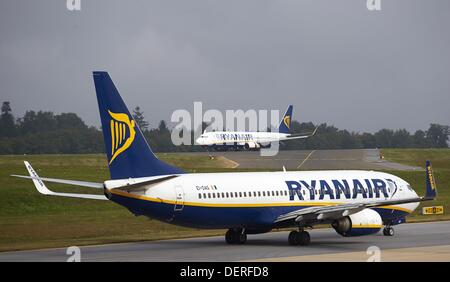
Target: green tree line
{"points": [[330, 137], [48, 133]]}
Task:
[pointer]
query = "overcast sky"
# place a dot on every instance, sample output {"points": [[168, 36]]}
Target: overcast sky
{"points": [[334, 60]]}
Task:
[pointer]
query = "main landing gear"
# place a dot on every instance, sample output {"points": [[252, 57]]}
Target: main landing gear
{"points": [[236, 236], [300, 237], [388, 231]]}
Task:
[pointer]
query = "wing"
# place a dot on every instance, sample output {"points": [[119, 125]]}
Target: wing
{"points": [[308, 216], [40, 186], [286, 137], [313, 214], [300, 136]]}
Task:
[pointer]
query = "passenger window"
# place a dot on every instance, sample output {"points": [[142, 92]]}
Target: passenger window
{"points": [[240, 194], [264, 193], [231, 195], [235, 194], [199, 196], [245, 194], [223, 195], [259, 193], [214, 195], [209, 195]]}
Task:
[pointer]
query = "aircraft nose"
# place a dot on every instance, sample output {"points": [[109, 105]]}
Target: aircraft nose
{"points": [[199, 141]]}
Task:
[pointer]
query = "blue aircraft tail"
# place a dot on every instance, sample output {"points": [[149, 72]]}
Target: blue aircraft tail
{"points": [[129, 155], [285, 125], [431, 191]]}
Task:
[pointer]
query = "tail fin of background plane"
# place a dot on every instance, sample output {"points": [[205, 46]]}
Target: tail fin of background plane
{"points": [[285, 125], [128, 153], [431, 191]]}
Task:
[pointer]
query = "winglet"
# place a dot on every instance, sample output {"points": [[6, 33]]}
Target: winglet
{"points": [[431, 190], [40, 186], [315, 130]]}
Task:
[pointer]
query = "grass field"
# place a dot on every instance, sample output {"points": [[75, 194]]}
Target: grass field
{"points": [[440, 159], [29, 220]]}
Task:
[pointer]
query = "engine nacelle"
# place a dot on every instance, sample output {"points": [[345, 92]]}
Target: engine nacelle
{"points": [[361, 223], [252, 145]]}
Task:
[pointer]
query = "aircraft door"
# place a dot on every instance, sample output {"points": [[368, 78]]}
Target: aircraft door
{"points": [[179, 198]]}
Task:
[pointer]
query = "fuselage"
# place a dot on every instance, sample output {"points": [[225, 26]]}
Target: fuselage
{"points": [[251, 140], [254, 200]]}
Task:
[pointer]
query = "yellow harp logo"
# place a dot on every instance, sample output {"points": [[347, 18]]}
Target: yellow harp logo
{"points": [[287, 121], [120, 140]]}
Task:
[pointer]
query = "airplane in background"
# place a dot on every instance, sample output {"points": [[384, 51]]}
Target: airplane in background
{"points": [[353, 202], [241, 140]]}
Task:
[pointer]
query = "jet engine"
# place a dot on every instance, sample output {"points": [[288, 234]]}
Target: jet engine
{"points": [[252, 145], [361, 223]]}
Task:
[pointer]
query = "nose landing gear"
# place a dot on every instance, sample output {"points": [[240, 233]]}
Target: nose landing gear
{"points": [[388, 231]]}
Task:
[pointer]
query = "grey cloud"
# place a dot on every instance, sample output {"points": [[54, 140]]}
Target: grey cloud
{"points": [[334, 60]]}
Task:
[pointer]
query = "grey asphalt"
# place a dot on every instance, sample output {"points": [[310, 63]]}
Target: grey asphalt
{"points": [[365, 159], [263, 246]]}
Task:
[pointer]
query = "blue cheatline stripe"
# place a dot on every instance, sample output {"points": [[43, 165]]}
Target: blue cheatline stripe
{"points": [[220, 217]]}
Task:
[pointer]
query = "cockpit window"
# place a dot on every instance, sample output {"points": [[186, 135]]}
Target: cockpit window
{"points": [[409, 187]]}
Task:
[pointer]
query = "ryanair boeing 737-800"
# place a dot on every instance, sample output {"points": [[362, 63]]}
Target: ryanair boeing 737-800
{"points": [[354, 202], [237, 140]]}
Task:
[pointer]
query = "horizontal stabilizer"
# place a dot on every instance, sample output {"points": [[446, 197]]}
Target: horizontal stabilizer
{"points": [[64, 181], [40, 186]]}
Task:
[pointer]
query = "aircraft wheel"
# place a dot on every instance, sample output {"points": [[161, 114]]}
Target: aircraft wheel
{"points": [[235, 236], [388, 231], [230, 236], [303, 238], [293, 238], [242, 238]]}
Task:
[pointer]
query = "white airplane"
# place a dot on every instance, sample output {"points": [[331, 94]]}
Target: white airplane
{"points": [[354, 202], [224, 140]]}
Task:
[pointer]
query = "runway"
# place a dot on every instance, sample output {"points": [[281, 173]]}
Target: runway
{"points": [[412, 242], [364, 159]]}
